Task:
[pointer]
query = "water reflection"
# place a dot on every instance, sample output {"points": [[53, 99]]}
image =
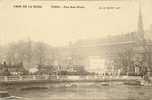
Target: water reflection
{"points": [[92, 92]]}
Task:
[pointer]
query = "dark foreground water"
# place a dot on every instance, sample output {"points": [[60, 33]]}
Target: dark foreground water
{"points": [[89, 92]]}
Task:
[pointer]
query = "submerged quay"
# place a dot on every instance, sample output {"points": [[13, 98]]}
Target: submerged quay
{"points": [[47, 81]]}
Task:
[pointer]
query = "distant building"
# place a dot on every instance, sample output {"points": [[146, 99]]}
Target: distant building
{"points": [[118, 52], [96, 64], [46, 69], [17, 69]]}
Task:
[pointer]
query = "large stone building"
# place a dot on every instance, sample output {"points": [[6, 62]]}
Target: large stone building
{"points": [[125, 52]]}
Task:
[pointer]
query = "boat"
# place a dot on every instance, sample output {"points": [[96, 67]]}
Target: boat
{"points": [[4, 95], [105, 84], [70, 85], [145, 83], [138, 83], [34, 88]]}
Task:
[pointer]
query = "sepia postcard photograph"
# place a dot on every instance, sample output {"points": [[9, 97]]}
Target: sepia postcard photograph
{"points": [[75, 49]]}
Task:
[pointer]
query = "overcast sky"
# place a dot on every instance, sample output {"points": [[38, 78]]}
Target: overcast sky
{"points": [[59, 26]]}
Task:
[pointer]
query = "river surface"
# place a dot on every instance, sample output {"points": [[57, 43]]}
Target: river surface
{"points": [[92, 92]]}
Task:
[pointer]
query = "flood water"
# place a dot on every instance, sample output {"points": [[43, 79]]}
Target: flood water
{"points": [[94, 92]]}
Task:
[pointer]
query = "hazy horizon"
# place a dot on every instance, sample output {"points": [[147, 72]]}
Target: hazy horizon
{"points": [[58, 26]]}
